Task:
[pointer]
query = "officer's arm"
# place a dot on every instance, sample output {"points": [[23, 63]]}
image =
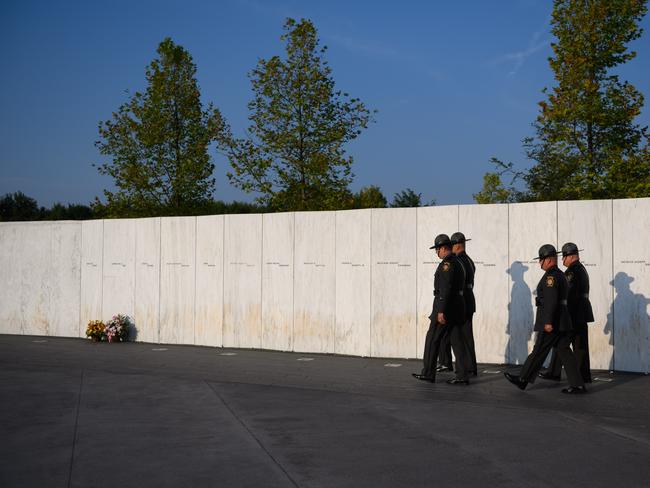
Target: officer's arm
{"points": [[444, 291], [551, 298]]}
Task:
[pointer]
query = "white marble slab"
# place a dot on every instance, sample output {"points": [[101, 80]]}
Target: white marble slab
{"points": [[147, 280], [35, 255], [65, 279], [277, 281], [629, 317], [431, 221], [242, 322], [92, 242], [352, 334], [393, 295], [589, 225], [118, 276], [10, 264], [177, 279], [208, 323], [531, 226], [487, 226], [314, 282]]}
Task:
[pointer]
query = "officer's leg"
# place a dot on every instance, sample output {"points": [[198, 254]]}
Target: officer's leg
{"points": [[555, 367], [581, 352], [444, 358], [435, 335], [459, 345], [568, 360], [468, 333], [543, 344]]}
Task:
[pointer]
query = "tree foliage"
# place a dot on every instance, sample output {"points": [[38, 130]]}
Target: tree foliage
{"points": [[18, 206], [294, 155], [408, 198], [586, 143], [368, 197], [158, 142]]}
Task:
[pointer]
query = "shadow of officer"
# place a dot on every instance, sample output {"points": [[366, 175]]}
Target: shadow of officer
{"points": [[552, 324], [520, 315], [632, 325]]}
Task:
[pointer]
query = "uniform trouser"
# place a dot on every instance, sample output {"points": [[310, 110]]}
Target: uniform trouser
{"points": [[580, 345], [436, 334], [544, 342], [444, 358]]}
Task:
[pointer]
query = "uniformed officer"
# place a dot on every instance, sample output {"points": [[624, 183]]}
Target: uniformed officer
{"points": [[581, 314], [458, 242], [448, 314], [552, 324]]}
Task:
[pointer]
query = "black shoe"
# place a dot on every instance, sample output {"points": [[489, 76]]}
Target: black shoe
{"points": [[574, 390], [423, 377], [474, 373], [515, 380], [457, 381], [443, 369], [548, 376]]}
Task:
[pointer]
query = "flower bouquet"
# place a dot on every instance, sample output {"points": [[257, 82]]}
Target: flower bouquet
{"points": [[95, 330], [117, 329]]}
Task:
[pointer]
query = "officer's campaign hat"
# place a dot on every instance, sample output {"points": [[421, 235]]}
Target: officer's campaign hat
{"points": [[458, 238], [440, 241], [570, 249], [546, 251]]}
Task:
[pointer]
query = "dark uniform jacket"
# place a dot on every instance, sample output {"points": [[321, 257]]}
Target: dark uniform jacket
{"points": [[578, 295], [551, 301], [468, 292], [448, 285]]}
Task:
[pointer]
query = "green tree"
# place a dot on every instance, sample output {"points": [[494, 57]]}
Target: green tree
{"points": [[294, 155], [369, 197], [158, 143], [18, 207], [408, 198], [586, 143]]}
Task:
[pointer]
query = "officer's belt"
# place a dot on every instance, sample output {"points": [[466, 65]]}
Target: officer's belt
{"points": [[586, 295], [469, 286], [563, 302]]}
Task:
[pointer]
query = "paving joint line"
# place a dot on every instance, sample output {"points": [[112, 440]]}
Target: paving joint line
{"points": [[76, 424]]}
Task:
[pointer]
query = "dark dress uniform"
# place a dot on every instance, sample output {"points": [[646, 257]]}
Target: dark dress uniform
{"points": [[448, 299], [581, 314], [552, 309]]}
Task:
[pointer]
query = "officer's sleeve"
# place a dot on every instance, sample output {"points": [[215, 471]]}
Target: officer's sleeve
{"points": [[444, 292], [551, 298]]}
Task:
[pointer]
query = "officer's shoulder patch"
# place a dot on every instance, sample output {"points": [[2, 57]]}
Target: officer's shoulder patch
{"points": [[569, 276], [445, 266], [550, 281]]}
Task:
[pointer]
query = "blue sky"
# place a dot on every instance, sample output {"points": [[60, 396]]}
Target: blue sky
{"points": [[454, 83]]}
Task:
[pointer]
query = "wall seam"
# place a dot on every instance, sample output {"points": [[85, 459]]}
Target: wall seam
{"points": [[223, 278], [370, 294], [101, 303], [196, 239], [613, 362], [261, 281], [81, 251], [160, 268]]}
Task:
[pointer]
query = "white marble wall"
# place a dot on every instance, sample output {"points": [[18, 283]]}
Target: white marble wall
{"points": [[393, 294], [277, 281], [588, 224], [35, 283], [431, 221], [314, 282], [629, 317], [531, 225], [177, 279], [10, 264], [65, 279], [487, 226], [147, 280], [92, 243], [352, 335], [118, 276], [208, 323], [242, 294]]}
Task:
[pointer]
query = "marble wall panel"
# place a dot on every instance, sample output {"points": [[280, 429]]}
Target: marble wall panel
{"points": [[629, 317], [277, 281], [118, 276], [147, 280], [65, 278], [242, 322], [589, 225], [531, 225], [314, 282], [35, 280], [487, 226], [431, 221], [177, 279], [352, 332], [92, 242], [393, 294], [10, 264], [208, 322]]}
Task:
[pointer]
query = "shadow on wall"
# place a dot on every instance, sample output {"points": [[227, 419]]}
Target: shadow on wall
{"points": [[520, 315], [630, 332]]}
